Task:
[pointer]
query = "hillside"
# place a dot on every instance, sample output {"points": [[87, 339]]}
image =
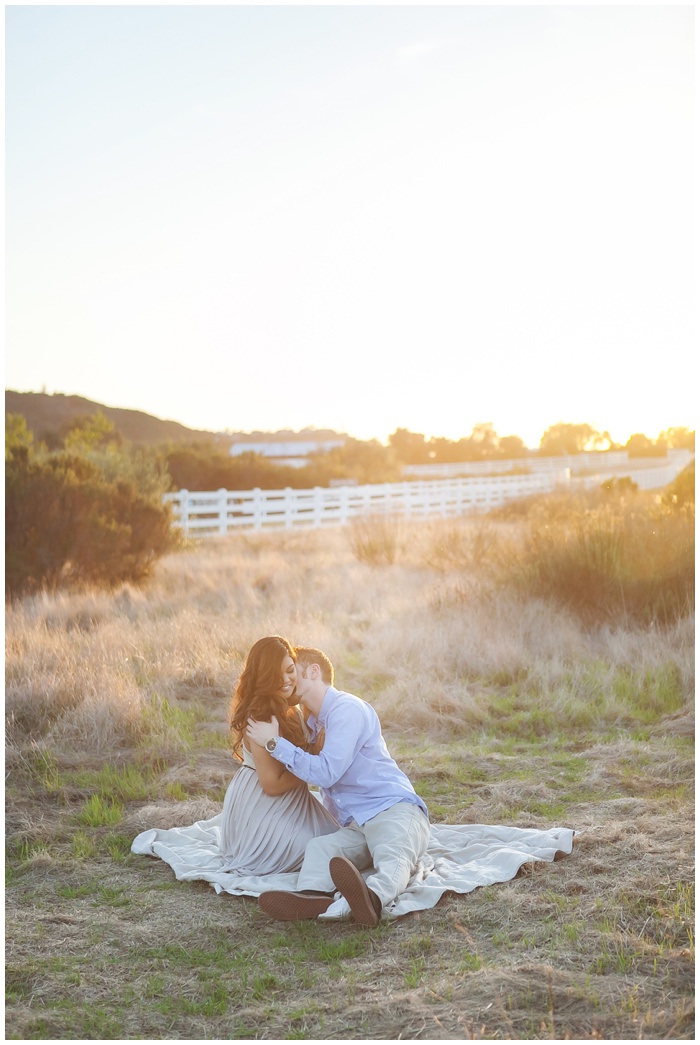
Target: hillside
{"points": [[48, 414]]}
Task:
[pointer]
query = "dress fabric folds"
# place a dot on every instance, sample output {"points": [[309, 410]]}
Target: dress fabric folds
{"points": [[257, 843], [266, 834]]}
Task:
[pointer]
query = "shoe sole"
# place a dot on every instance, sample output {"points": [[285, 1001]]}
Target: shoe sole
{"points": [[348, 880], [293, 907]]}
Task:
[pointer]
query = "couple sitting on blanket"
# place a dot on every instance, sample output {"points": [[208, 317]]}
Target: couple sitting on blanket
{"points": [[371, 817]]}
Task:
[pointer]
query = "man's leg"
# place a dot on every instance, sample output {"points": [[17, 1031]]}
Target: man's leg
{"points": [[397, 839], [348, 841], [315, 877]]}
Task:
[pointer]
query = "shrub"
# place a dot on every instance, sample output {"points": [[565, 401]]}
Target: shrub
{"points": [[468, 546], [622, 486], [374, 539], [67, 524], [628, 560], [681, 492]]}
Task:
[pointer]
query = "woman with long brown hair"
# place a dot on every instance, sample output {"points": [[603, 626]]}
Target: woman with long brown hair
{"points": [[269, 815]]}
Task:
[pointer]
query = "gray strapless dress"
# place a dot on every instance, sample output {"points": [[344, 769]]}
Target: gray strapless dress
{"points": [[267, 834]]}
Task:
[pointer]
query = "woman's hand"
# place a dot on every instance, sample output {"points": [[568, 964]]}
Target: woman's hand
{"points": [[261, 732], [274, 778]]}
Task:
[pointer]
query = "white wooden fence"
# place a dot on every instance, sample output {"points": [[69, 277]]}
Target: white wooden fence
{"points": [[645, 478], [593, 461], [220, 512], [223, 511]]}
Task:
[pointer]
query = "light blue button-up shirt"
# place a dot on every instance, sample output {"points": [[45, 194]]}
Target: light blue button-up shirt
{"points": [[357, 776]]}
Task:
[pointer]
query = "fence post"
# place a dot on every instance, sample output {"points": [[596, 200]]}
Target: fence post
{"points": [[318, 507], [257, 508], [344, 497], [184, 512], [223, 511]]}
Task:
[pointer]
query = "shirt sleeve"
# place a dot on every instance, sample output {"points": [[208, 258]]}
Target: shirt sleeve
{"points": [[345, 735]]}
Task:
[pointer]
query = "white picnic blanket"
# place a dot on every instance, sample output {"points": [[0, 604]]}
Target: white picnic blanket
{"points": [[460, 857]]}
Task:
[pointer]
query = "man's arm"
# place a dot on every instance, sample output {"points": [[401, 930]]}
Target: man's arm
{"points": [[345, 733], [274, 778]]}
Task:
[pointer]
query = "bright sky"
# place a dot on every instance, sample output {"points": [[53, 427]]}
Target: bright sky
{"points": [[360, 218]]}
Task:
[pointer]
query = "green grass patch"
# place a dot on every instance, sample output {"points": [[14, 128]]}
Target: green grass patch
{"points": [[615, 957], [128, 783], [20, 982], [36, 1030], [341, 950], [102, 895], [414, 974], [88, 1022], [417, 946], [19, 850], [41, 767], [84, 846], [88, 845], [117, 847], [100, 812], [649, 695], [222, 957], [214, 739], [470, 962], [213, 1001], [167, 727], [302, 942], [665, 920]]}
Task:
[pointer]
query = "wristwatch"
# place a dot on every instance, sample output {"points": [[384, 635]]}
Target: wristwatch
{"points": [[271, 744]]}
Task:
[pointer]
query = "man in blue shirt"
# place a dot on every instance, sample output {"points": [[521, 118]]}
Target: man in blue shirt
{"points": [[384, 823]]}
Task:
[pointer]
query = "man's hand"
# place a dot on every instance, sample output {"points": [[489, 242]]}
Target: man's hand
{"points": [[261, 732]]}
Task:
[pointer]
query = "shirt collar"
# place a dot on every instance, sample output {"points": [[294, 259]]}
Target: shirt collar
{"points": [[328, 701]]}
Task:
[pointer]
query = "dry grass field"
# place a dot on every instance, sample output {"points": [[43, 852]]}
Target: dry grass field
{"points": [[502, 707]]}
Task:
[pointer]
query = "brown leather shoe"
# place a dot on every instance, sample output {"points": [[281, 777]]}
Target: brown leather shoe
{"points": [[364, 904], [293, 907]]}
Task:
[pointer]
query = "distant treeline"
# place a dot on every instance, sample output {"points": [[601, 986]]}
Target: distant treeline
{"points": [[208, 465], [484, 444]]}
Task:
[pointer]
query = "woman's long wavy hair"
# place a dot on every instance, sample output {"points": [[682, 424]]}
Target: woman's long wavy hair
{"points": [[257, 693]]}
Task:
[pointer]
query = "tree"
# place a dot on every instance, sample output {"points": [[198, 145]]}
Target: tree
{"points": [[484, 439], [639, 445], [365, 461], [409, 447], [511, 447], [446, 451], [572, 439], [89, 432], [18, 439], [678, 439]]}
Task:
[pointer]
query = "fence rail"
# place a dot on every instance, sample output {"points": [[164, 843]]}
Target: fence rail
{"points": [[223, 511], [593, 461], [219, 512]]}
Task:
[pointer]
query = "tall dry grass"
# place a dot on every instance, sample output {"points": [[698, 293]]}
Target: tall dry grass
{"points": [[433, 639]]}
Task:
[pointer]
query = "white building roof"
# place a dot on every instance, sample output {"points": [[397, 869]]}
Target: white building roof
{"points": [[280, 451]]}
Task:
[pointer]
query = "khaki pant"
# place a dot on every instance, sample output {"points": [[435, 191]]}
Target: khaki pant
{"points": [[392, 842]]}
